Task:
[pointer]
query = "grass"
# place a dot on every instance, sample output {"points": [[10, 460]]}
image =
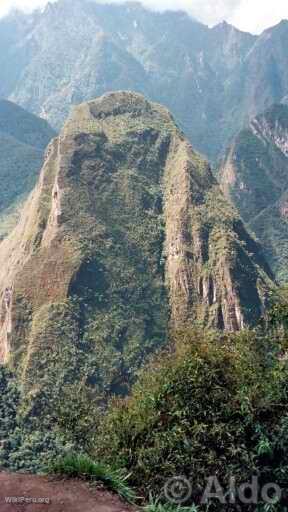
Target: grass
{"points": [[78, 465], [155, 505]]}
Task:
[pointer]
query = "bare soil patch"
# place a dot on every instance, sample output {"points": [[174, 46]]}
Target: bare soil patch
{"points": [[54, 495]]}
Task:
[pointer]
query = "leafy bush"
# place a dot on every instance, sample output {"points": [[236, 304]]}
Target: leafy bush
{"points": [[211, 404], [278, 313], [216, 406], [32, 452], [9, 402], [9, 399]]}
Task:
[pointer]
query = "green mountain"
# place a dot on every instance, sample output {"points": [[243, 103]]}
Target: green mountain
{"points": [[125, 235], [75, 50], [254, 176], [23, 138]]}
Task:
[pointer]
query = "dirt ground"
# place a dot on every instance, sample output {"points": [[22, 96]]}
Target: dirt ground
{"points": [[41, 494]]}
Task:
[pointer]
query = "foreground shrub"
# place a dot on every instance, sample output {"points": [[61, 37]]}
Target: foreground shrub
{"points": [[216, 406]]}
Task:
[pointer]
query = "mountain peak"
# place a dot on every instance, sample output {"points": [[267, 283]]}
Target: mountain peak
{"points": [[278, 28], [129, 219], [120, 101], [226, 28], [283, 23], [115, 104], [223, 25]]}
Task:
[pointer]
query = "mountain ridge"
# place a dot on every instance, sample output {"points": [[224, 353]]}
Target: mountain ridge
{"points": [[206, 77], [254, 176], [23, 139]]}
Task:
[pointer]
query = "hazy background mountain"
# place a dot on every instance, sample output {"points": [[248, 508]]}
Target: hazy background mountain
{"points": [[254, 175], [211, 79], [23, 139]]}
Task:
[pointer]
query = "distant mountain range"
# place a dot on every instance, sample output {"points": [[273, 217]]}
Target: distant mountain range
{"points": [[23, 139], [212, 80]]}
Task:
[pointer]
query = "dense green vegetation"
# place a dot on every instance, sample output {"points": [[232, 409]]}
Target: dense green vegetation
{"points": [[211, 404], [20, 166], [91, 305], [9, 401], [144, 232], [155, 505], [23, 126], [218, 406], [255, 178]]}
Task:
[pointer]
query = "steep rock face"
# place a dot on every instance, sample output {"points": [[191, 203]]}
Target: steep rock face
{"points": [[211, 79], [23, 139], [228, 47], [263, 77], [126, 231], [254, 176]]}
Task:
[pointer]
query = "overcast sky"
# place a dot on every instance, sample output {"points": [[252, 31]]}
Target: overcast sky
{"points": [[251, 15]]}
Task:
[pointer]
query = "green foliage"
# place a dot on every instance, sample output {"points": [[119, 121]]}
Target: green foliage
{"points": [[33, 451], [114, 214], [24, 126], [155, 505], [23, 138], [9, 401], [22, 448], [216, 406], [20, 166], [79, 465], [255, 178], [61, 411], [278, 313]]}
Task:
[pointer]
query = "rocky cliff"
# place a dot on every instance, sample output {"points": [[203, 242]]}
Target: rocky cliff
{"points": [[254, 176], [125, 234]]}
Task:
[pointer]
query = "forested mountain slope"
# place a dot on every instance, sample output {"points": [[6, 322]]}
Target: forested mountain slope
{"points": [[23, 139], [254, 176], [125, 235]]}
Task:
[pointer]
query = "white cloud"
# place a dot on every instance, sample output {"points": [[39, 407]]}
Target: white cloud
{"points": [[208, 11], [27, 5], [251, 15], [256, 15]]}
